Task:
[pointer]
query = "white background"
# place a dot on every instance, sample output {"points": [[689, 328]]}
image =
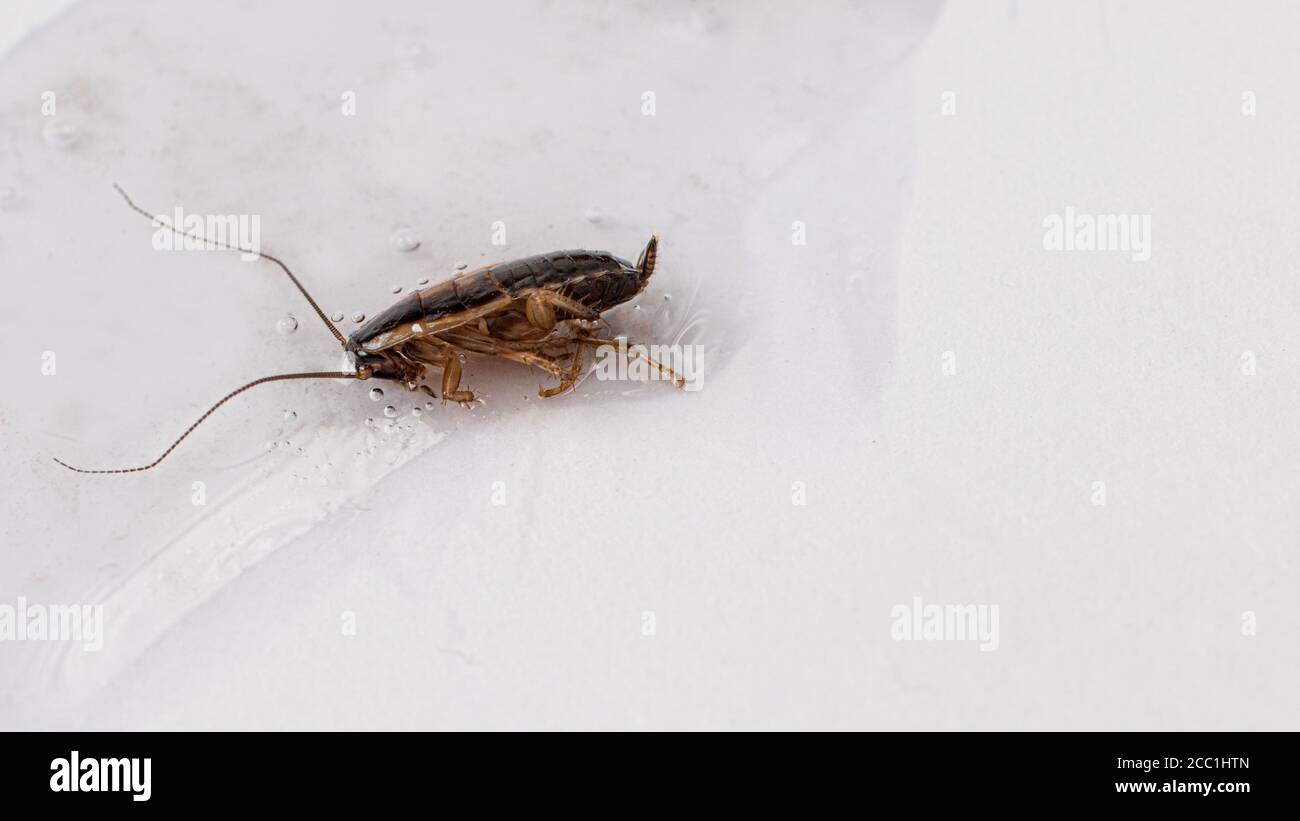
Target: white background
{"points": [[823, 366]]}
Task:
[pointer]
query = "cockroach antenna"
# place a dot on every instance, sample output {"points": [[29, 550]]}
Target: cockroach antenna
{"points": [[277, 378], [161, 221], [211, 410]]}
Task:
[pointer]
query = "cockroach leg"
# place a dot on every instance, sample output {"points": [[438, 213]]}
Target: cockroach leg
{"points": [[633, 349], [539, 311], [591, 327], [451, 382], [567, 382], [545, 363], [433, 352], [540, 307]]}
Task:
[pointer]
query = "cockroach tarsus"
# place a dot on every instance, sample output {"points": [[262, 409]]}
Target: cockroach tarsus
{"points": [[542, 311]]}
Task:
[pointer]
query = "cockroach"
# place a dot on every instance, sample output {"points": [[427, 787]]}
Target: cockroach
{"points": [[540, 311]]}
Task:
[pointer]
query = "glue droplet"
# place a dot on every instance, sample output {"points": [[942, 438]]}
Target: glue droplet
{"points": [[290, 416], [337, 316], [593, 215], [397, 289], [422, 281], [390, 412], [60, 134], [358, 317], [404, 240], [460, 266], [668, 297], [428, 406], [287, 324], [376, 394], [417, 411]]}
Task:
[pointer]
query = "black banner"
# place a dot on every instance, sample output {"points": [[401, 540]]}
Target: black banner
{"points": [[1160, 771]]}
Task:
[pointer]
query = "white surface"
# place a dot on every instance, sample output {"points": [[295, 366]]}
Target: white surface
{"points": [[823, 366], [21, 17]]}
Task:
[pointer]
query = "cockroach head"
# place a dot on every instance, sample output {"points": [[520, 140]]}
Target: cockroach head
{"points": [[370, 365]]}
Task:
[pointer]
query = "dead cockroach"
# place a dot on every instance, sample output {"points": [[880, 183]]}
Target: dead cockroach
{"points": [[539, 311]]}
